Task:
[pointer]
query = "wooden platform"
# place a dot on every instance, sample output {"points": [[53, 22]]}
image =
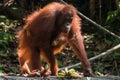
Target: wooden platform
{"points": [[55, 78]]}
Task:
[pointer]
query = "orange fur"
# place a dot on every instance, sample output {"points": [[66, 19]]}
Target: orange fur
{"points": [[43, 36]]}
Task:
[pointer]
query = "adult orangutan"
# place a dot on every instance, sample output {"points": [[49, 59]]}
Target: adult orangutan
{"points": [[46, 33]]}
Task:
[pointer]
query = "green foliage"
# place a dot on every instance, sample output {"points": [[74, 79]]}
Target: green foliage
{"points": [[7, 38], [90, 37], [113, 20], [113, 16], [1, 71], [16, 10], [14, 69]]}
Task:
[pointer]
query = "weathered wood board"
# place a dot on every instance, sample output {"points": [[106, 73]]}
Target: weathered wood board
{"points": [[55, 78]]}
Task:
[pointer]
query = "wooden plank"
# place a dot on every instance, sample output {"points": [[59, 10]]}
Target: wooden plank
{"points": [[55, 78]]}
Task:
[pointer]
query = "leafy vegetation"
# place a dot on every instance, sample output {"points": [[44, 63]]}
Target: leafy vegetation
{"points": [[7, 35], [7, 42]]}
